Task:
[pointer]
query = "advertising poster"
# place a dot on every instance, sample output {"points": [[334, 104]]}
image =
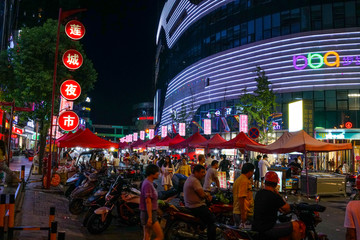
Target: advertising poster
{"points": [[222, 179]]}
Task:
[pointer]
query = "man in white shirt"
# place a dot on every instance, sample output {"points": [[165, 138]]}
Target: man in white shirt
{"points": [[208, 160], [263, 168], [352, 220]]}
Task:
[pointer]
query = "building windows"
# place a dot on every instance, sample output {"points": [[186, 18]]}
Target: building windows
{"points": [[316, 17], [275, 23]]}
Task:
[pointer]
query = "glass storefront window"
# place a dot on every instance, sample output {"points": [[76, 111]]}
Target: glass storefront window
{"points": [[327, 16], [339, 13], [350, 11], [319, 95], [354, 100], [316, 17], [342, 105]]}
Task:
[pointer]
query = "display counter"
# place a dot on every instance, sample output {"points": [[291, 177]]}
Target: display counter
{"points": [[323, 184]]}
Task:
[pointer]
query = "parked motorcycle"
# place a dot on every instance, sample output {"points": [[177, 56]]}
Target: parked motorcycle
{"points": [[180, 223], [306, 214], [97, 199], [356, 189], [81, 193], [122, 196]]}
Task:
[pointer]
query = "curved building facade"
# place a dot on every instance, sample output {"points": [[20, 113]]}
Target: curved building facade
{"points": [[208, 51]]}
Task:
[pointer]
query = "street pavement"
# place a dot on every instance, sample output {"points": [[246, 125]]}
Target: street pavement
{"points": [[37, 202]]}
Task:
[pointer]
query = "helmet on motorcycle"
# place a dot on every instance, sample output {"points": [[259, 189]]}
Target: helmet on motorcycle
{"points": [[358, 182], [271, 177]]}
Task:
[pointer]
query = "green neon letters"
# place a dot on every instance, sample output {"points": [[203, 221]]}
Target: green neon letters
{"points": [[312, 57]]}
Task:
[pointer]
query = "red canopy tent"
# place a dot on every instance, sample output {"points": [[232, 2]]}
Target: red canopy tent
{"points": [[143, 144], [164, 142], [298, 142], [122, 145], [64, 137], [240, 141], [69, 137], [152, 142], [213, 142], [196, 138], [177, 139], [87, 139], [136, 144]]}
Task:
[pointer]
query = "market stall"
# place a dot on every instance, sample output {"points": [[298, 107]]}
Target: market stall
{"points": [[299, 142], [240, 141]]}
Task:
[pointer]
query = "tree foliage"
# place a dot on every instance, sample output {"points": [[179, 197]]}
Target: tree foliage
{"points": [[260, 105], [28, 77]]}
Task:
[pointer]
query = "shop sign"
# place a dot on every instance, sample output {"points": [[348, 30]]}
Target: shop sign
{"points": [[182, 130], [17, 130], [72, 59], [338, 135], [135, 136], [164, 131], [122, 140], [29, 123], [65, 105], [222, 179], [13, 136], [199, 151], [217, 113], [142, 135], [316, 60], [68, 121], [207, 126], [75, 30], [151, 134], [243, 123], [1, 116], [70, 90], [130, 137]]}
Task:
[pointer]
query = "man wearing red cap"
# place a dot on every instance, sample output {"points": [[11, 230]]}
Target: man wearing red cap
{"points": [[267, 203]]}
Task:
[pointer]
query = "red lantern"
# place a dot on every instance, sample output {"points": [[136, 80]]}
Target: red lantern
{"points": [[70, 90], [68, 121], [72, 59], [75, 30]]}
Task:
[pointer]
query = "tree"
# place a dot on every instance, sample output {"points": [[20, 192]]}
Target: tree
{"points": [[260, 106], [29, 77]]}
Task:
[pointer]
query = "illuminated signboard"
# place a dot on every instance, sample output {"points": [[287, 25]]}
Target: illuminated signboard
{"points": [[135, 136], [142, 135], [182, 130], [207, 126], [70, 90], [68, 121], [316, 60], [75, 30], [295, 116], [164, 131], [151, 134], [243, 123], [17, 130], [72, 59]]}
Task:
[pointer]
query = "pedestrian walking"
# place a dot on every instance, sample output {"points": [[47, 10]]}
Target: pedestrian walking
{"points": [[167, 170], [352, 220], [149, 205], [184, 168], [263, 168], [225, 165]]}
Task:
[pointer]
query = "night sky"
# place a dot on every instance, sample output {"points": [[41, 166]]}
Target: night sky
{"points": [[120, 40]]}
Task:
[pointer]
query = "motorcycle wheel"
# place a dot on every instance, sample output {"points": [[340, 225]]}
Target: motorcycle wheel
{"points": [[88, 214], [172, 231], [76, 206], [96, 226], [69, 190]]}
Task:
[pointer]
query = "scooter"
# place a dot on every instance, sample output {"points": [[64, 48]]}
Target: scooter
{"points": [[125, 198], [81, 193]]}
